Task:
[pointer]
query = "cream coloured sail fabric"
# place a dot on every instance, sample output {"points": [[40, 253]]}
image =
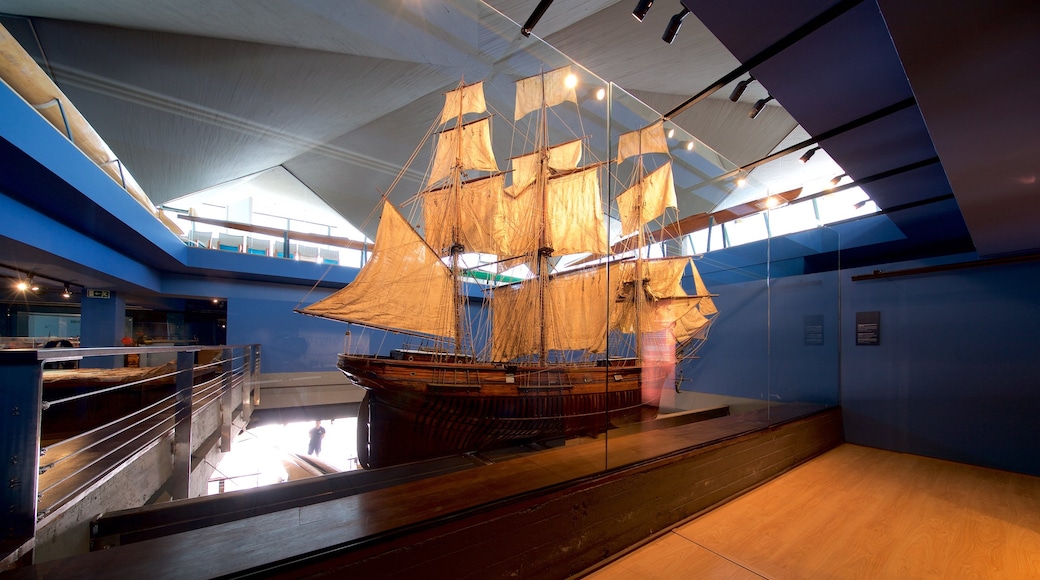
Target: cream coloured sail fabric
{"points": [[661, 286], [646, 200], [474, 211], [515, 323], [649, 139], [707, 305], [577, 311], [463, 100], [575, 315], [518, 222], [474, 152], [551, 85], [562, 157], [574, 214], [404, 286]]}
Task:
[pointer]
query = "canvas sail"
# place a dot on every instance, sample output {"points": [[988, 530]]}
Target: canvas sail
{"points": [[403, 287], [463, 148], [552, 86], [665, 304], [574, 213], [646, 200], [562, 157], [476, 209], [576, 315], [463, 100], [649, 139]]}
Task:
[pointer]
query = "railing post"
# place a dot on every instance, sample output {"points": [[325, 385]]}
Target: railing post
{"points": [[254, 387], [247, 382], [21, 385], [226, 399], [179, 481]]}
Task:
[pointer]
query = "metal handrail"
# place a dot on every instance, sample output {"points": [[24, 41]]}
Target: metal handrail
{"points": [[102, 449]]}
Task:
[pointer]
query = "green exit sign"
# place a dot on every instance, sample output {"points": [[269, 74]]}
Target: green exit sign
{"points": [[98, 294]]}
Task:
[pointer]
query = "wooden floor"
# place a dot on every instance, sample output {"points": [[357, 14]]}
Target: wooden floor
{"points": [[858, 512]]}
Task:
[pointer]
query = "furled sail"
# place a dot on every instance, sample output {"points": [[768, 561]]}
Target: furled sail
{"points": [[666, 304], [463, 100], [550, 86], [404, 286], [474, 151], [477, 209], [649, 139], [646, 200]]}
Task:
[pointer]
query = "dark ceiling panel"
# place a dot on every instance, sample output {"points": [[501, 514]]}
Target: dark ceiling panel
{"points": [[975, 78]]}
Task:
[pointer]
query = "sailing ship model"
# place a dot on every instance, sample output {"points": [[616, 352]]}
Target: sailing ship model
{"points": [[567, 352]]}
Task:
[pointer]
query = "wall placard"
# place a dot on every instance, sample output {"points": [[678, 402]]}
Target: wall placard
{"points": [[813, 329], [868, 328]]}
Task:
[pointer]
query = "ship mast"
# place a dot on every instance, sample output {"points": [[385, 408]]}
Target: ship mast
{"points": [[456, 233], [542, 144], [637, 284]]}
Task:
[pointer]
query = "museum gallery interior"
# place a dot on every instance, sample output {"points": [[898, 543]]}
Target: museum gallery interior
{"points": [[539, 289]]}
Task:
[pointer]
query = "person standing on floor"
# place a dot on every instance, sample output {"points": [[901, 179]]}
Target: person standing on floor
{"points": [[317, 433]]}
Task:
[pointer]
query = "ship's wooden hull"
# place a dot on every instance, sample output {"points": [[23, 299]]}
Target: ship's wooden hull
{"points": [[420, 406]]}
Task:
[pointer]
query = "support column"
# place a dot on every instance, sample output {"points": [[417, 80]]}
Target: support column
{"points": [[182, 427], [102, 323], [21, 384], [226, 402]]}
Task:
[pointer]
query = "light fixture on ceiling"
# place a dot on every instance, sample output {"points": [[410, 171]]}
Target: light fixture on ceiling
{"points": [[739, 89], [837, 179], [759, 105], [570, 81], [66, 293], [689, 145], [808, 154], [671, 132], [22, 285], [642, 7], [601, 93], [772, 202], [33, 285], [673, 26], [535, 17], [741, 181]]}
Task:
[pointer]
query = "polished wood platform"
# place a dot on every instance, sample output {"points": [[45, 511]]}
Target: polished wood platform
{"points": [[858, 512], [551, 514]]}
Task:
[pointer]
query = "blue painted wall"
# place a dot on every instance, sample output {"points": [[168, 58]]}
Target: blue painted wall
{"points": [[957, 373]]}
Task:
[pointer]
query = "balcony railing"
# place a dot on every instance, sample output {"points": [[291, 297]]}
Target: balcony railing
{"points": [[66, 430]]}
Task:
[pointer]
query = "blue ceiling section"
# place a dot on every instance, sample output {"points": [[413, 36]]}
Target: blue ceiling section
{"points": [[843, 71]]}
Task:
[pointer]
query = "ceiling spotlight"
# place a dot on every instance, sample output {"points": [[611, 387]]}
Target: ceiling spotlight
{"points": [[837, 179], [689, 145], [808, 154], [741, 181], [22, 285], [601, 93], [33, 285], [673, 26], [671, 132], [642, 8], [535, 17], [739, 89], [759, 105], [66, 293], [570, 81], [772, 202]]}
